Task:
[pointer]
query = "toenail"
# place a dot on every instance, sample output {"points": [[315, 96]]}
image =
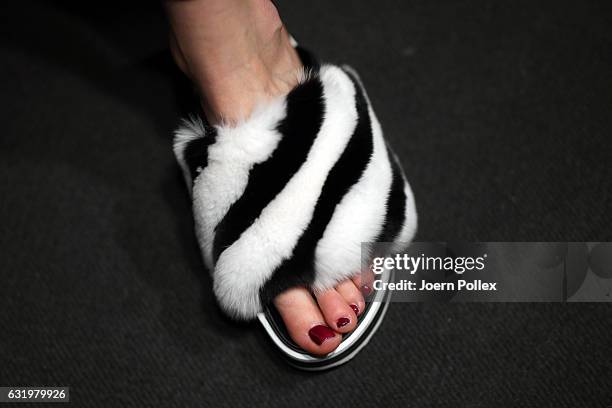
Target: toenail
{"points": [[355, 309], [320, 333], [366, 290], [343, 321]]}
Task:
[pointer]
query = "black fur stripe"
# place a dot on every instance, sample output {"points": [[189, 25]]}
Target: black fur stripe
{"points": [[196, 152], [299, 269], [396, 205], [299, 129]]}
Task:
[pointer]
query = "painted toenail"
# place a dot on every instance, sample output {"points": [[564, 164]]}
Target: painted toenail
{"points": [[320, 333], [343, 321], [366, 290], [355, 309]]}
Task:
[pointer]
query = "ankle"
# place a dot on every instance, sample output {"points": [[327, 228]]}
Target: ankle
{"points": [[237, 57], [230, 93]]}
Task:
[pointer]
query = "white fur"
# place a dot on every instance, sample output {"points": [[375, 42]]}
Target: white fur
{"points": [[409, 226], [230, 160], [359, 217], [249, 262]]}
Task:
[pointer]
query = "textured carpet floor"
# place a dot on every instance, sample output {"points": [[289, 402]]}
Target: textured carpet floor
{"points": [[501, 113]]}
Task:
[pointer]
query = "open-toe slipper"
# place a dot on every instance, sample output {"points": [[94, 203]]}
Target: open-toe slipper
{"points": [[286, 197]]}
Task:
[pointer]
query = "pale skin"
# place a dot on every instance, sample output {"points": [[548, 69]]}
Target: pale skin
{"points": [[238, 54]]}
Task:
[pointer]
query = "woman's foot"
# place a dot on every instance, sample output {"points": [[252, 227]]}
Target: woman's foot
{"points": [[239, 54]]}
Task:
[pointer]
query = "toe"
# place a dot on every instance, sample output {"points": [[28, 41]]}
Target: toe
{"points": [[352, 295], [337, 312], [364, 281], [305, 323]]}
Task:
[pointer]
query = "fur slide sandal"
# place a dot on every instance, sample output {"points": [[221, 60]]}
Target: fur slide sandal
{"points": [[286, 197]]}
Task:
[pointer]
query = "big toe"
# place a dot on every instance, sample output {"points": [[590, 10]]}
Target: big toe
{"points": [[305, 323]]}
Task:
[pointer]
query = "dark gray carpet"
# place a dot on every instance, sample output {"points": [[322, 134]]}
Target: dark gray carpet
{"points": [[501, 113]]}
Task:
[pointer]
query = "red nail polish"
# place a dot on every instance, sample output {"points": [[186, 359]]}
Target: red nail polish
{"points": [[366, 290], [320, 333], [355, 309], [343, 321]]}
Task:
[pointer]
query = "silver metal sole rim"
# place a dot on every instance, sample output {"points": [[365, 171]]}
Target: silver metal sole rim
{"points": [[374, 316]]}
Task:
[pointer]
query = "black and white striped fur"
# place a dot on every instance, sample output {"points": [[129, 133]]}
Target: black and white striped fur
{"points": [[286, 197]]}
